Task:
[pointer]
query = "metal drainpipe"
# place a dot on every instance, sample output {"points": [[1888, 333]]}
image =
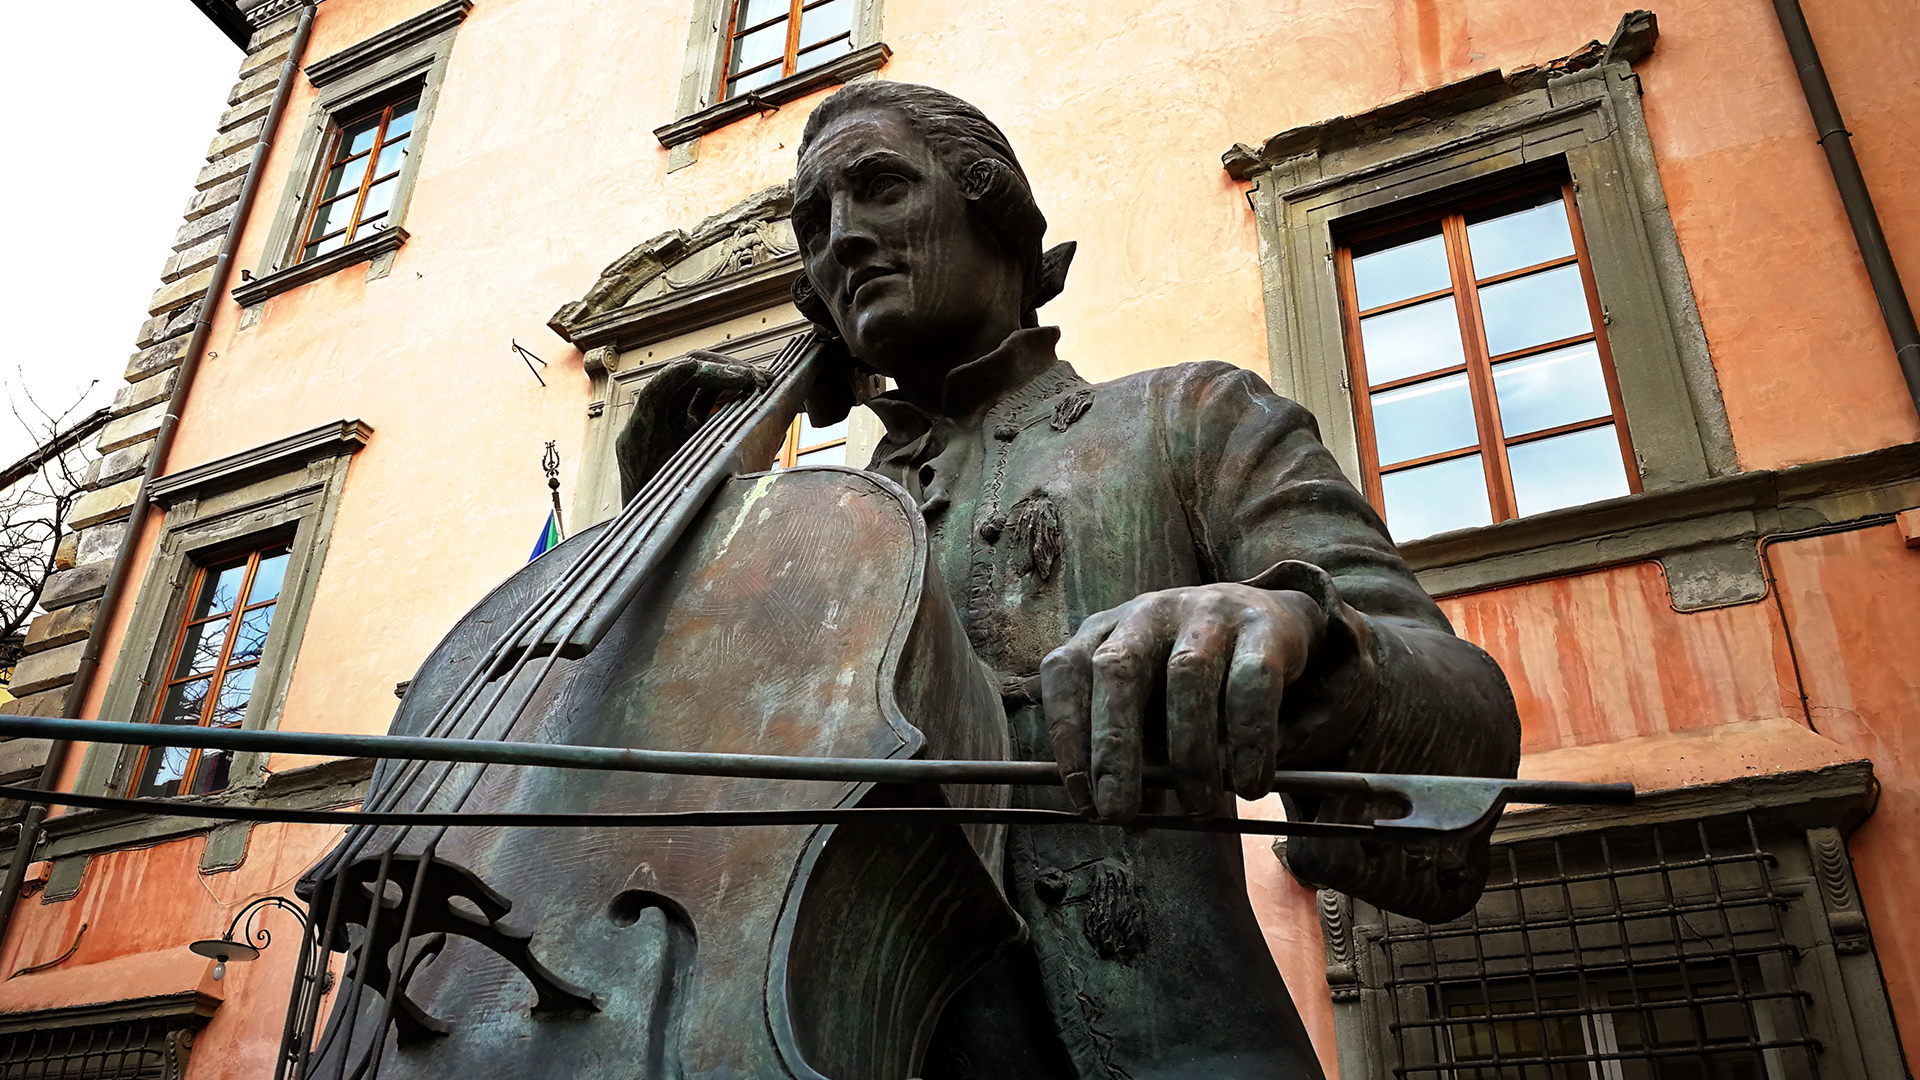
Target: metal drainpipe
{"points": [[118, 577], [1837, 142]]}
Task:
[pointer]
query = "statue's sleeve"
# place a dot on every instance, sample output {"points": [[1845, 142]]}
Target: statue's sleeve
{"points": [[1392, 689]]}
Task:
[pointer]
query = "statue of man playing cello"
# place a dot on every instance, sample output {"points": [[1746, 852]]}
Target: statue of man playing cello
{"points": [[1165, 568]]}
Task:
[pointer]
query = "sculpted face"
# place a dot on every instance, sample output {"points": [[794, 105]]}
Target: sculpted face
{"points": [[915, 283]]}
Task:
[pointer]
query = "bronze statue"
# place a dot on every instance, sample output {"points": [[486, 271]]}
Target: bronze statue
{"points": [[1166, 568]]}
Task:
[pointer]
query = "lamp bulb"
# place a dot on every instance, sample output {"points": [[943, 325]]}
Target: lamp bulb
{"points": [[219, 971]]}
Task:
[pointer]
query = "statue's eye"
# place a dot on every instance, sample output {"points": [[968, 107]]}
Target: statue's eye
{"points": [[886, 186]]}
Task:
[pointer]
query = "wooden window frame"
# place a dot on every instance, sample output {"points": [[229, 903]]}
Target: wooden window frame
{"points": [[217, 674], [328, 163], [791, 451], [1478, 363], [790, 56]]}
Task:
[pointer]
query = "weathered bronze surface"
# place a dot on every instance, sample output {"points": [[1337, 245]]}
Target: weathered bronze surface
{"points": [[1167, 570]]}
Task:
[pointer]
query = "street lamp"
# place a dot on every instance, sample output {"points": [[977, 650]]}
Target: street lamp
{"points": [[227, 948]]}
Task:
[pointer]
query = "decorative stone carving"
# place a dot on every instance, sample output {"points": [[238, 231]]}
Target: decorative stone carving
{"points": [[1834, 873], [1336, 930], [740, 260]]}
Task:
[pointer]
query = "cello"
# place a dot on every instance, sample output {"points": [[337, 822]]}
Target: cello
{"points": [[722, 610]]}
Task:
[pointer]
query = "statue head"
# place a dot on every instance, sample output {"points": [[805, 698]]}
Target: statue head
{"points": [[919, 235]]}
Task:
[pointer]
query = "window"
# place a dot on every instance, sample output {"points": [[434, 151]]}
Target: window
{"points": [[356, 192], [155, 1049], [217, 623], [1647, 953], [772, 39], [359, 155], [1484, 386], [809, 445], [216, 656]]}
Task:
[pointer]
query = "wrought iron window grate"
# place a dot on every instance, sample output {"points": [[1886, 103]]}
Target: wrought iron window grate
{"points": [[140, 1050], [1652, 952]]}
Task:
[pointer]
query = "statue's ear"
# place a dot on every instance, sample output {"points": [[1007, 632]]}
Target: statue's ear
{"points": [[1053, 272], [812, 307]]}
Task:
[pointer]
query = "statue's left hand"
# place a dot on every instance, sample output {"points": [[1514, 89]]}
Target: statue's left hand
{"points": [[1224, 654]]}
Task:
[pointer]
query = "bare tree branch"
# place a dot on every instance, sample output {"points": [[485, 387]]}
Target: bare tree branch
{"points": [[37, 496]]}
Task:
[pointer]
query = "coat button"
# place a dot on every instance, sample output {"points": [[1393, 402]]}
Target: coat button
{"points": [[989, 530], [1051, 885]]}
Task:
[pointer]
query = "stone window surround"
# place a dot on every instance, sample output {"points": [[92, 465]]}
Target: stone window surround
{"points": [[414, 51], [1803, 819], [290, 488], [1315, 182], [698, 111]]}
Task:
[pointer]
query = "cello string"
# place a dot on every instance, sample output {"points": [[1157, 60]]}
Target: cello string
{"points": [[637, 521]]}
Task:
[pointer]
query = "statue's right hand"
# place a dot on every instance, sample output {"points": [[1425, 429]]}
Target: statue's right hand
{"points": [[672, 406]]}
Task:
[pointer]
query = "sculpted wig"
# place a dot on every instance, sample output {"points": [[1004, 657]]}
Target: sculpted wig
{"points": [[975, 152]]}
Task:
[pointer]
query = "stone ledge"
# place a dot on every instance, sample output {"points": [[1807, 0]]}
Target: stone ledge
{"points": [[200, 228], [134, 396], [187, 289], [51, 703], [22, 759], [365, 250], [163, 328], [46, 670], [100, 543], [280, 456], [82, 583], [262, 83], [117, 466], [214, 198], [221, 168], [361, 55], [198, 257], [237, 139], [104, 504], [267, 52], [62, 627], [132, 428], [773, 95], [158, 357], [1704, 532]]}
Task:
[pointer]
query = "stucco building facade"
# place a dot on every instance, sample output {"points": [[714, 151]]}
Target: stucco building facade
{"points": [[1571, 290]]}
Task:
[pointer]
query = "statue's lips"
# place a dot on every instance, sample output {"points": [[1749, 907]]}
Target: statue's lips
{"points": [[865, 278]]}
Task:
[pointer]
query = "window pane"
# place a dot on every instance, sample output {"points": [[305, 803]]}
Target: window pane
{"points": [[212, 773], [391, 155], [201, 649], [1514, 235], [1434, 498], [1540, 307], [814, 436], [344, 177], [830, 19], [266, 580], [251, 636], [1406, 268], [755, 12], [222, 588], [769, 74], [1567, 470], [768, 43], [236, 689], [359, 137], [379, 198], [183, 703], [831, 455], [334, 216], [1411, 341], [1550, 389], [331, 243], [1425, 418], [402, 120], [820, 54], [165, 766]]}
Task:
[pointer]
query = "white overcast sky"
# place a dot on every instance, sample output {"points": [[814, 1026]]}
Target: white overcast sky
{"points": [[113, 103]]}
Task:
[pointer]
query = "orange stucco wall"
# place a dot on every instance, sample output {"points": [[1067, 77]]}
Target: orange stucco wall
{"points": [[540, 168]]}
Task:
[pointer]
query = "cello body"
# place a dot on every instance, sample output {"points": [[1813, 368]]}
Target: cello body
{"points": [[797, 616]]}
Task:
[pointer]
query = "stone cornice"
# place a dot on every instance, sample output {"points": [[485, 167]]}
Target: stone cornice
{"points": [[283, 455], [773, 95], [187, 1009], [677, 312], [253, 292], [422, 27], [1737, 509], [1838, 796]]}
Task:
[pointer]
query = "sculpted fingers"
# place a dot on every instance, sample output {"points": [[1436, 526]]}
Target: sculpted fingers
{"points": [[1066, 697], [1126, 668], [1256, 679], [1195, 668]]}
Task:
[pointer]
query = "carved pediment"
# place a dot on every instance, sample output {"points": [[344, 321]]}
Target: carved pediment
{"points": [[740, 260]]}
